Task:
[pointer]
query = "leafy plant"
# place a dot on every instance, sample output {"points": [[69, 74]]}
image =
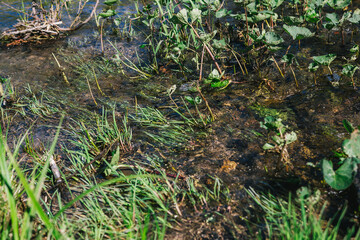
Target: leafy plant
{"points": [[343, 177], [349, 71], [280, 140], [325, 60]]}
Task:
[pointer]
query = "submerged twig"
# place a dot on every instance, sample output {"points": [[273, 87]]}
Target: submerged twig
{"points": [[61, 69]]}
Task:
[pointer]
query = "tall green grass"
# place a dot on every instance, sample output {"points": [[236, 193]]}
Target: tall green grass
{"points": [[302, 219]]}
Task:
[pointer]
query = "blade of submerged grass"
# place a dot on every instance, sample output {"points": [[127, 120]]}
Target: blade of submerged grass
{"points": [[109, 182]]}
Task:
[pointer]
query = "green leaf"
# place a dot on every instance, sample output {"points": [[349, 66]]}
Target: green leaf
{"points": [[206, 37], [278, 140], [275, 3], [324, 59], [338, 4], [274, 124], [290, 137], [214, 75], [114, 161], [273, 38], [219, 44], [195, 101], [110, 2], [221, 13], [298, 33], [268, 146], [108, 13], [290, 20], [352, 146], [182, 16], [312, 16], [288, 58], [348, 126], [220, 84], [354, 49], [195, 15], [313, 67], [349, 70], [333, 18], [355, 18], [342, 177]]}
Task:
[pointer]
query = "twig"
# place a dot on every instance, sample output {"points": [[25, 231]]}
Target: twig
{"points": [[61, 69], [91, 91], [198, 86], [55, 170]]}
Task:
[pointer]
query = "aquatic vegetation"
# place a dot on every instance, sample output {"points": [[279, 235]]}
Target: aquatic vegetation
{"points": [[343, 177], [281, 139], [299, 219], [171, 132]]}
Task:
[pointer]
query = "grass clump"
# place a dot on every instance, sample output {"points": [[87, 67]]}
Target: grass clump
{"points": [[300, 219], [175, 129]]}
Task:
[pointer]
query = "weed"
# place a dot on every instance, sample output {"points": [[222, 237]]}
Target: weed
{"points": [[300, 219]]}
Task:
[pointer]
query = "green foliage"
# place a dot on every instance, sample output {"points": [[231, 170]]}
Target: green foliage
{"points": [[325, 60], [343, 177], [281, 139], [108, 13], [301, 218], [298, 33], [349, 70]]}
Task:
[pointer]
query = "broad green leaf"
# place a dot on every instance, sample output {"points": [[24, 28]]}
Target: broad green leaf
{"points": [[290, 20], [221, 13], [271, 123], [197, 100], [354, 49], [312, 16], [313, 67], [275, 3], [290, 137], [352, 146], [110, 2], [338, 4], [325, 59], [298, 33], [220, 84], [273, 38], [333, 18], [348, 126], [219, 44], [206, 37], [355, 18], [349, 70], [288, 58], [195, 15], [342, 177], [268, 146], [182, 16], [108, 13], [316, 4], [278, 140], [214, 75]]}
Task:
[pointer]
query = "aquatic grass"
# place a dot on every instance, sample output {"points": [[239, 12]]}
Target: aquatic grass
{"points": [[300, 219], [169, 131], [42, 106], [8, 168], [106, 135]]}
